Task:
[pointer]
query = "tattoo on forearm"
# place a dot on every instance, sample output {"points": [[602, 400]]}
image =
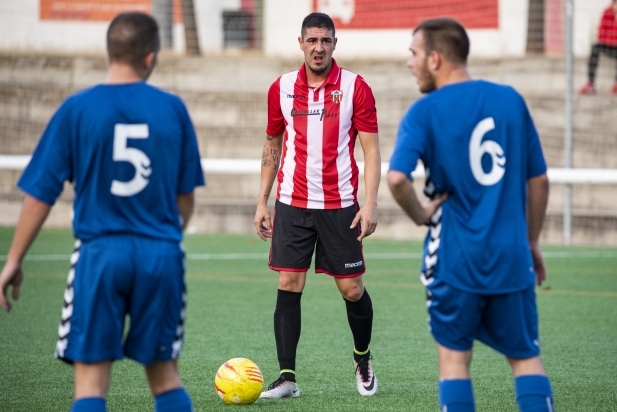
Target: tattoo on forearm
{"points": [[265, 162], [270, 157], [268, 138]]}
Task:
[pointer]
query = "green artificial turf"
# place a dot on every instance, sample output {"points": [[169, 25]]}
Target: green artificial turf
{"points": [[231, 302]]}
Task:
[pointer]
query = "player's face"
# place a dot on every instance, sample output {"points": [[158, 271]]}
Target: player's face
{"points": [[318, 44], [418, 63]]}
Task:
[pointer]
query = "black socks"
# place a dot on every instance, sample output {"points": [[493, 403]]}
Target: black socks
{"points": [[360, 317], [287, 321]]}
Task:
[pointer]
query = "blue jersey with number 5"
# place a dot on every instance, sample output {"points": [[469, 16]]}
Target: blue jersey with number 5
{"points": [[128, 151], [478, 143]]}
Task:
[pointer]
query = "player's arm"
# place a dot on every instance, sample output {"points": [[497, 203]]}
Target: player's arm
{"points": [[270, 159], [367, 215], [405, 195], [537, 200], [33, 214], [186, 205]]}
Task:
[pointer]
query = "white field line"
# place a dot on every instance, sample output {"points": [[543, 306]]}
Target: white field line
{"points": [[368, 256]]}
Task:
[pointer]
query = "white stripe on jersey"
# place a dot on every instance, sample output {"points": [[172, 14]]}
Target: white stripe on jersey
{"points": [[343, 160], [314, 149], [286, 189]]}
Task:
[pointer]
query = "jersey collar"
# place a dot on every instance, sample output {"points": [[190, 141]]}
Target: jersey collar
{"points": [[333, 76]]}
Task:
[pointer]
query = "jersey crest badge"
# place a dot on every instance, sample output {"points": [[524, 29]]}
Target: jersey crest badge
{"points": [[337, 96]]}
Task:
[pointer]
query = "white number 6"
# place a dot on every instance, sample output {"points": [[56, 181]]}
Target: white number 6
{"points": [[477, 148], [122, 153]]}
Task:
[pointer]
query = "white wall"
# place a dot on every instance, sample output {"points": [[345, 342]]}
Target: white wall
{"points": [[587, 15], [210, 22], [21, 29], [283, 19]]}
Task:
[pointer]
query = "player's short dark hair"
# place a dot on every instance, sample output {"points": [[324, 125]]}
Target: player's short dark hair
{"points": [[131, 37], [446, 36], [318, 20]]}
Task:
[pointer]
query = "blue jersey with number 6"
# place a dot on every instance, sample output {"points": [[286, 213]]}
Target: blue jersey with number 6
{"points": [[478, 143], [128, 150]]}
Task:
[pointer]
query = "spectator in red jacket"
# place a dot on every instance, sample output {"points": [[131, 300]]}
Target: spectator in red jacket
{"points": [[607, 44]]}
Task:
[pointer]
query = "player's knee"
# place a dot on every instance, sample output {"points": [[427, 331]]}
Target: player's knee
{"points": [[527, 366], [291, 282], [352, 293]]}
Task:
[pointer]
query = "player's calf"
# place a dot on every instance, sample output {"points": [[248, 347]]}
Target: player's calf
{"points": [[93, 404], [534, 393], [456, 395]]}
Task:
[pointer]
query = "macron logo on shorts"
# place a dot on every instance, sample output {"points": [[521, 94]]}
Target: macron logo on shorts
{"points": [[353, 265]]}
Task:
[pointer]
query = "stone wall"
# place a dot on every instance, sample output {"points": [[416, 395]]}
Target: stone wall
{"points": [[226, 97]]}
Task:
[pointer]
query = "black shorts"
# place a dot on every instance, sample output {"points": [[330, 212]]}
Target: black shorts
{"points": [[296, 232]]}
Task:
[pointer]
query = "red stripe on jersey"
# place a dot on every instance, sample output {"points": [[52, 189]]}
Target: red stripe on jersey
{"points": [[299, 197], [276, 120], [276, 124], [355, 174]]}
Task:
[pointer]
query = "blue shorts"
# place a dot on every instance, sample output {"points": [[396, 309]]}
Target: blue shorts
{"points": [[113, 277], [507, 323]]}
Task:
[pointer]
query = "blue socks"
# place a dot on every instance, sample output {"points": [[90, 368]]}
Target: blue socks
{"points": [[89, 405], [456, 395], [176, 400], [533, 393]]}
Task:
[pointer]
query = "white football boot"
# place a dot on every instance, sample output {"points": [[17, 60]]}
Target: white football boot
{"points": [[281, 389], [365, 376]]}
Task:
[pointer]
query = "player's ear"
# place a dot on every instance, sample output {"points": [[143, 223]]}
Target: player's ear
{"points": [[301, 43], [148, 65], [150, 61], [334, 43], [434, 60]]}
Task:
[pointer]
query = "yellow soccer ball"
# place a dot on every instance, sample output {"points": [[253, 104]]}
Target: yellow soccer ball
{"points": [[238, 382]]}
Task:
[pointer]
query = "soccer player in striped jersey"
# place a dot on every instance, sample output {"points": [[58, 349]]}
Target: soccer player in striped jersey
{"points": [[481, 149], [315, 115], [131, 154]]}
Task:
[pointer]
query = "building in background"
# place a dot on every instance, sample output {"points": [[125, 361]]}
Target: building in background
{"points": [[368, 29]]}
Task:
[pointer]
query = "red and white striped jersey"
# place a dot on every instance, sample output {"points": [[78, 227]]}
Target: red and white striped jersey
{"points": [[318, 169]]}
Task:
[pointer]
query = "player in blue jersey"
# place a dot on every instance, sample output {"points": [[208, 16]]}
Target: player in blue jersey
{"points": [[488, 190], [131, 154]]}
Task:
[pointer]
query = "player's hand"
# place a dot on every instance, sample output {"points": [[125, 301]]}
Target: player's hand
{"points": [[11, 274], [538, 262], [367, 216], [431, 205], [263, 222]]}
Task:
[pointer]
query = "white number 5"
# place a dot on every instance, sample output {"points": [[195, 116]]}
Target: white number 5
{"points": [[122, 153], [477, 148]]}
